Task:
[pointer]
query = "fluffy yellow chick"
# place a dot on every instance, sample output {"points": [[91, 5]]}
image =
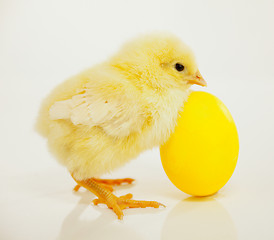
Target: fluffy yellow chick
{"points": [[107, 115]]}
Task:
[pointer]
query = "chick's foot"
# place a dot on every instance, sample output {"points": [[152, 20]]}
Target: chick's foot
{"points": [[106, 186], [117, 204], [113, 182], [108, 183], [125, 201]]}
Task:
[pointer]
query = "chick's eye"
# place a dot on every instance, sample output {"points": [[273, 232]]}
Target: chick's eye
{"points": [[179, 67]]}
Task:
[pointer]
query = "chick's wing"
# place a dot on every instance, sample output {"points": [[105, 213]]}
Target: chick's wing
{"points": [[116, 109]]}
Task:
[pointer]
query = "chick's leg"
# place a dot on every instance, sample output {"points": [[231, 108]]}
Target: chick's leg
{"points": [[108, 183], [117, 204]]}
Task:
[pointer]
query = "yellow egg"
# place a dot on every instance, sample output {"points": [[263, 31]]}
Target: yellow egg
{"points": [[201, 155]]}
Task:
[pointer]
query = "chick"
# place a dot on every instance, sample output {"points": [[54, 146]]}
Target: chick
{"points": [[107, 115]]}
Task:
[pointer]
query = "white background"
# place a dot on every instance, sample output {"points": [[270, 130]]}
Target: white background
{"points": [[44, 42]]}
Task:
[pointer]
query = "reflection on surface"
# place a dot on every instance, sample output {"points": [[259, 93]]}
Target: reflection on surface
{"points": [[104, 227], [199, 218]]}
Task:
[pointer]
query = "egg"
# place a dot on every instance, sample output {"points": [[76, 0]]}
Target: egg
{"points": [[201, 154]]}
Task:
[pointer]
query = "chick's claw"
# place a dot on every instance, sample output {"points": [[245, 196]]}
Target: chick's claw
{"points": [[124, 203], [117, 204], [76, 188]]}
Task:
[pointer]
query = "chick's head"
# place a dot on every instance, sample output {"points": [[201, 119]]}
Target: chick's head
{"points": [[159, 61]]}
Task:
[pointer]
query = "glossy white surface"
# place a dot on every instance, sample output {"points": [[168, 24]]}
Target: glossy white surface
{"points": [[44, 42]]}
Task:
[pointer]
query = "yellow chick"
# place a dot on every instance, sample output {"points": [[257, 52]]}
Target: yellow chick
{"points": [[107, 115]]}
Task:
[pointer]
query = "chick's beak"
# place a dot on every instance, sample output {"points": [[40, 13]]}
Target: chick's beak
{"points": [[198, 79]]}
